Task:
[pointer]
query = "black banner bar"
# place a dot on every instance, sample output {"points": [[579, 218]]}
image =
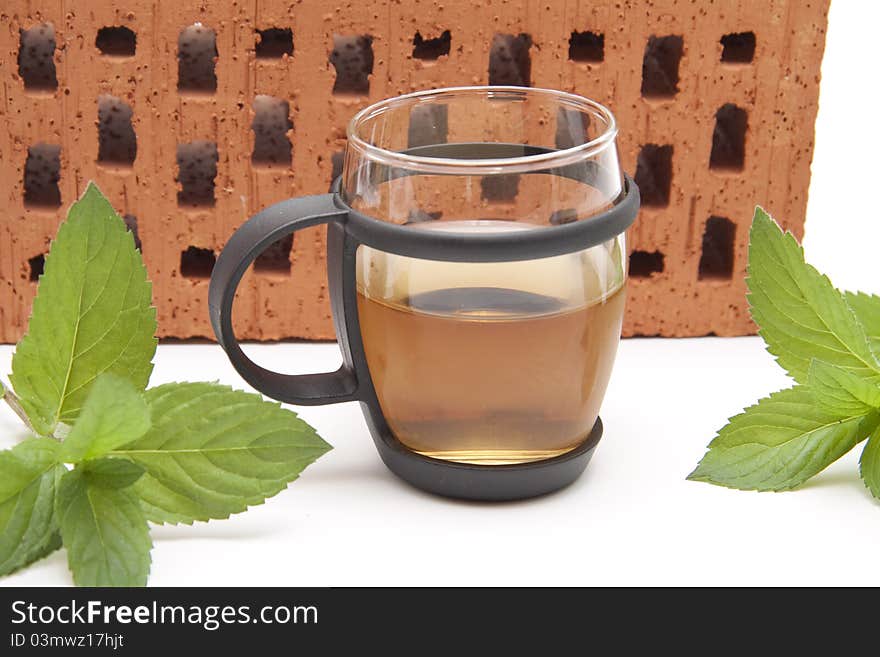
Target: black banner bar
{"points": [[352, 621]]}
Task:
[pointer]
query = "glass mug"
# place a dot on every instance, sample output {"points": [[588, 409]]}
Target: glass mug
{"points": [[477, 268]]}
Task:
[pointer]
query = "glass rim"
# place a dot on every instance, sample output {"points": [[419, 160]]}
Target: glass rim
{"points": [[460, 166]]}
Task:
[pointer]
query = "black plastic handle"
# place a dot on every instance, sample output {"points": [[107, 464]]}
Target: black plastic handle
{"points": [[249, 241]]}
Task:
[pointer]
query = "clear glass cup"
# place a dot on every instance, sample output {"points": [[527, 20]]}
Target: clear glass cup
{"points": [[488, 362]]}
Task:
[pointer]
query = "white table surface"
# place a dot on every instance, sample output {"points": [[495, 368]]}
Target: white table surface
{"points": [[632, 519]]}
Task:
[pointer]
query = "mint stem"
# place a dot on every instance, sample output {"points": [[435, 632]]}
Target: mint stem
{"points": [[15, 404]]}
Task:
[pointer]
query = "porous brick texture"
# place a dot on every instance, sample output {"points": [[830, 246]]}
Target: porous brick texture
{"points": [[191, 116]]}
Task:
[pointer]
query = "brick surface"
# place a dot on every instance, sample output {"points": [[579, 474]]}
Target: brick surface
{"points": [[764, 158]]}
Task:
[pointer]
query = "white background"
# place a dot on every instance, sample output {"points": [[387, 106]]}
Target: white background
{"points": [[632, 519]]}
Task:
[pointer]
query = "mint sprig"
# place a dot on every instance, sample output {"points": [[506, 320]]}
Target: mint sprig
{"points": [[108, 456], [829, 343]]}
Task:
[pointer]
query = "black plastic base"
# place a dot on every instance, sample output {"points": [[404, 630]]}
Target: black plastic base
{"points": [[485, 482]]}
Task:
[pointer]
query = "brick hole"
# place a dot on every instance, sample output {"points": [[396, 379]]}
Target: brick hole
{"points": [[428, 124], [565, 216], [274, 43], [738, 48], [500, 188], [197, 170], [116, 41], [572, 128], [509, 60], [131, 223], [432, 48], [419, 216], [117, 143], [36, 265], [337, 161], [197, 263], [716, 261], [729, 138], [660, 66], [276, 258], [36, 57], [42, 171], [654, 174], [586, 47], [197, 59], [644, 264], [270, 125], [352, 57]]}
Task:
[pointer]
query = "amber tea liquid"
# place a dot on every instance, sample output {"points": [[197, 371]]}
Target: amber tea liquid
{"points": [[491, 363]]}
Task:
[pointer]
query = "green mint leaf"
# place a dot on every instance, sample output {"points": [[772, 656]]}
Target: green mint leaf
{"points": [[840, 392], [105, 532], [869, 464], [780, 442], [799, 313], [113, 414], [112, 472], [92, 314], [28, 478], [214, 451], [867, 310]]}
